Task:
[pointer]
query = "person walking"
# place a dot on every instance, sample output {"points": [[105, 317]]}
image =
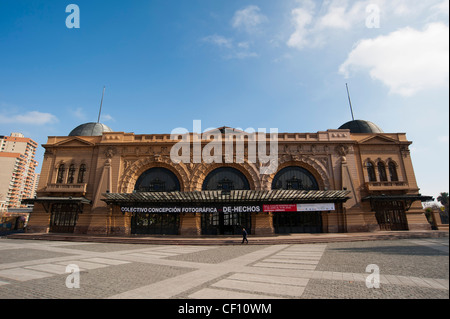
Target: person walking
{"points": [[244, 236]]}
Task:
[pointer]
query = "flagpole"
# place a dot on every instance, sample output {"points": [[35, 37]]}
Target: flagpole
{"points": [[101, 104], [350, 102]]}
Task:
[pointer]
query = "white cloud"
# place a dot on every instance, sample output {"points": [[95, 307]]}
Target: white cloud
{"points": [[33, 118], [106, 118], [311, 25], [442, 7], [240, 50], [314, 26], [219, 41], [241, 55], [409, 8], [440, 10], [243, 45], [301, 17], [78, 113], [248, 19], [339, 15], [406, 60]]}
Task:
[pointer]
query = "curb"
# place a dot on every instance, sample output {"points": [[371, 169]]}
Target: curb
{"points": [[236, 240]]}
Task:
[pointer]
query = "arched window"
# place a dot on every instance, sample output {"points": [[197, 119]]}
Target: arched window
{"points": [[371, 172], [227, 179], [61, 171], [71, 177], [294, 177], [81, 173], [157, 179], [393, 172], [382, 172]]}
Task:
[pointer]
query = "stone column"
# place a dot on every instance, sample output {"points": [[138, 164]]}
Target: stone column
{"points": [[190, 224]]}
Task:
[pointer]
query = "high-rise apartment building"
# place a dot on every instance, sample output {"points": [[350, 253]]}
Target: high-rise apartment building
{"points": [[17, 169]]}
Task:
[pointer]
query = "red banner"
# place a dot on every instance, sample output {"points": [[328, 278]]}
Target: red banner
{"points": [[280, 208]]}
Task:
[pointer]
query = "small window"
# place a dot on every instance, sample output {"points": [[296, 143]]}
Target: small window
{"points": [[81, 173], [393, 172], [382, 172], [71, 177], [61, 171], [371, 172]]}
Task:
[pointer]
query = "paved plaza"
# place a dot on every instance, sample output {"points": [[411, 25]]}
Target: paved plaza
{"points": [[406, 269]]}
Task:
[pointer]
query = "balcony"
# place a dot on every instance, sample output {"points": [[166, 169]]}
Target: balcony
{"points": [[386, 186], [66, 188]]}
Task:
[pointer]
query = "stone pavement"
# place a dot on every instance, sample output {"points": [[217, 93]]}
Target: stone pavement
{"points": [[407, 268]]}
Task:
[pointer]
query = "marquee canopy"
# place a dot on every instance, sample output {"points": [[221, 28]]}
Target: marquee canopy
{"points": [[234, 196]]}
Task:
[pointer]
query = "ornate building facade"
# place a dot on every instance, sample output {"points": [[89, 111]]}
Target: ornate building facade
{"points": [[352, 179]]}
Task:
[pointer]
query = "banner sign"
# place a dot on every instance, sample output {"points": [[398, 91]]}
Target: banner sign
{"points": [[280, 208], [203, 209], [317, 207]]}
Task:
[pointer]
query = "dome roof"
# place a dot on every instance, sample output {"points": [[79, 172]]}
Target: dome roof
{"points": [[90, 129], [360, 126]]}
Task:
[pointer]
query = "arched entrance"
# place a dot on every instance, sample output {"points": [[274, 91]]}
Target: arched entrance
{"points": [[157, 179], [225, 178], [296, 178], [225, 223]]}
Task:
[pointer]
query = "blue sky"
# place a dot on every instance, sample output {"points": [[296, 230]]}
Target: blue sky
{"points": [[249, 64]]}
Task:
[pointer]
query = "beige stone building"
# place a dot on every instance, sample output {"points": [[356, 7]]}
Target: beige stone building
{"points": [[352, 179]]}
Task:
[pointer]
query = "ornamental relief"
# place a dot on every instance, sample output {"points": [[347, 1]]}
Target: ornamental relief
{"points": [[110, 152], [310, 149], [315, 166], [191, 174], [202, 170], [133, 169]]}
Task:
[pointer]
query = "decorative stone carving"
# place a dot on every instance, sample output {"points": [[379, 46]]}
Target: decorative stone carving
{"points": [[248, 169], [342, 149], [404, 150], [110, 152], [311, 164], [132, 173]]}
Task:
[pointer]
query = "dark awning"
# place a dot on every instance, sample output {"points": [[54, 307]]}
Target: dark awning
{"points": [[407, 199], [46, 202], [398, 197], [58, 200], [235, 196]]}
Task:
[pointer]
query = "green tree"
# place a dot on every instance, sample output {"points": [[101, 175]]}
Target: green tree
{"points": [[443, 199]]}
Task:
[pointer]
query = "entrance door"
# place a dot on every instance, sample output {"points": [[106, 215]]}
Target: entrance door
{"points": [[63, 218], [391, 215], [155, 224], [297, 222], [225, 223]]}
